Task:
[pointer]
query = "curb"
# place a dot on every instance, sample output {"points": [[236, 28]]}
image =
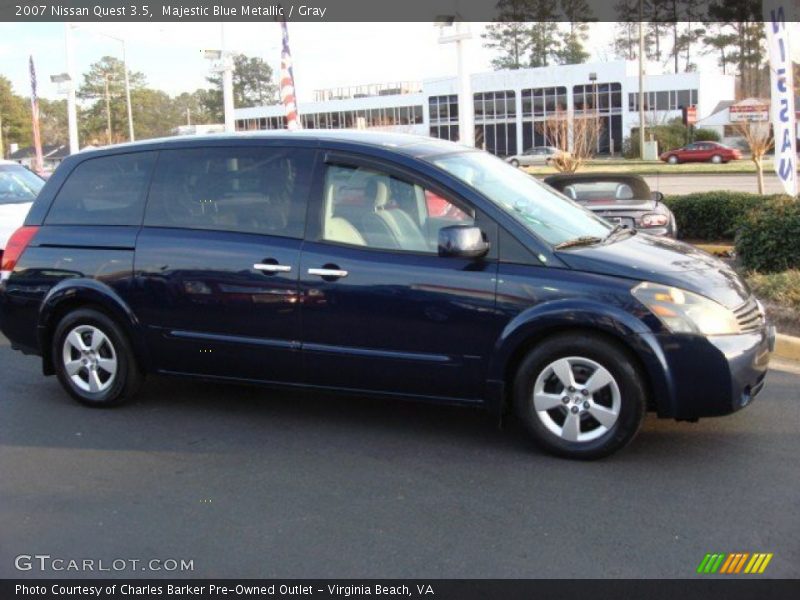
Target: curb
{"points": [[787, 346]]}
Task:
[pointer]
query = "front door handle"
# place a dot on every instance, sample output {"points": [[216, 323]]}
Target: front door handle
{"points": [[270, 268], [332, 273]]}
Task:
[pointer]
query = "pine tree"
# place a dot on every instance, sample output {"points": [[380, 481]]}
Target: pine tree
{"points": [[544, 33], [510, 35], [576, 33]]}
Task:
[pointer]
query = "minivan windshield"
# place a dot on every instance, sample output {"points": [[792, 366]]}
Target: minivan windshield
{"points": [[18, 184], [550, 215]]}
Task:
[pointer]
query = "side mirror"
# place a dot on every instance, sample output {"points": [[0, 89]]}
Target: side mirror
{"points": [[465, 241], [657, 197]]}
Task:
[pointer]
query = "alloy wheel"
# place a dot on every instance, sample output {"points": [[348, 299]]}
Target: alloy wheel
{"points": [[90, 359], [576, 399]]}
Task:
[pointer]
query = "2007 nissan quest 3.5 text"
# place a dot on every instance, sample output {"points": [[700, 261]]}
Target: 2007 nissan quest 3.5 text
{"points": [[375, 264]]}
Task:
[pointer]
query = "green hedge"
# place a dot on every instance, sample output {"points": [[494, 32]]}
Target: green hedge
{"points": [[766, 229], [768, 238], [706, 135], [711, 216]]}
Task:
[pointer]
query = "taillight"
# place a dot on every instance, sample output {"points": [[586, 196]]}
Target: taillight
{"points": [[653, 220], [16, 245]]}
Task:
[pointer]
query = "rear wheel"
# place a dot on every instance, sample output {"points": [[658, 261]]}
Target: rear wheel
{"points": [[514, 162], [93, 359], [580, 396], [673, 160], [716, 159]]}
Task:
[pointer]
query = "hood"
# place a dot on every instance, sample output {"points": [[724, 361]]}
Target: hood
{"points": [[12, 216], [662, 260]]}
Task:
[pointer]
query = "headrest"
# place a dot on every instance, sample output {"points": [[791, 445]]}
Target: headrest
{"points": [[624, 192], [377, 191]]}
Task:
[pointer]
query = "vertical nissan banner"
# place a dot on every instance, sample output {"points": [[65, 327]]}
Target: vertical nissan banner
{"points": [[782, 91]]}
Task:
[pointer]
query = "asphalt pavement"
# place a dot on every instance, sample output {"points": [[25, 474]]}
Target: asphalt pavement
{"points": [[247, 482]]}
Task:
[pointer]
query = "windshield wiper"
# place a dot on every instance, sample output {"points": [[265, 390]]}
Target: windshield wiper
{"points": [[584, 240], [618, 228]]}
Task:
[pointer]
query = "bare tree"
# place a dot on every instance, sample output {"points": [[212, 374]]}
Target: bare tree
{"points": [[575, 137], [758, 135]]}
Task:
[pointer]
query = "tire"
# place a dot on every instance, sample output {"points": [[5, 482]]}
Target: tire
{"points": [[86, 342], [716, 159], [673, 160], [621, 400], [514, 163]]}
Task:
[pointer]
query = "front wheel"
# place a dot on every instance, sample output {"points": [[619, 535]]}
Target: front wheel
{"points": [[514, 162], [93, 359], [580, 396], [673, 160], [716, 159]]}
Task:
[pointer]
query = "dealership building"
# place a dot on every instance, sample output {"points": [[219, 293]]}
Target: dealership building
{"points": [[510, 106]]}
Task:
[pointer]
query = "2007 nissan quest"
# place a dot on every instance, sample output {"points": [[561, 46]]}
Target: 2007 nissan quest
{"points": [[377, 264]]}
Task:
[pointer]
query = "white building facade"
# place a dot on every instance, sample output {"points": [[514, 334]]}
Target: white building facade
{"points": [[511, 105]]}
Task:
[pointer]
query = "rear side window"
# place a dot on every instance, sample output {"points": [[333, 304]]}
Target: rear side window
{"points": [[246, 189], [109, 190]]}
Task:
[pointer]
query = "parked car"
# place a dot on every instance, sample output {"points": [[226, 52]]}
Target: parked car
{"points": [[18, 189], [702, 152], [312, 260], [620, 199], [538, 155]]}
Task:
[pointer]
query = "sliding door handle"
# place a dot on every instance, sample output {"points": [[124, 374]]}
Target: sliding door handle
{"points": [[269, 268], [332, 273]]}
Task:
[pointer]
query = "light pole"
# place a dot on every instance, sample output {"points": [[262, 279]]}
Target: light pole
{"points": [[72, 106], [66, 86], [595, 108], [124, 68], [227, 84], [466, 120], [224, 65], [641, 80], [127, 82]]}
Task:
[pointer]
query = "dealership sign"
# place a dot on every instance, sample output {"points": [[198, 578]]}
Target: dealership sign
{"points": [[747, 113], [782, 93]]}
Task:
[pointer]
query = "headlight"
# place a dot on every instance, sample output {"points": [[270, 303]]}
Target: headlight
{"points": [[685, 312], [653, 220]]}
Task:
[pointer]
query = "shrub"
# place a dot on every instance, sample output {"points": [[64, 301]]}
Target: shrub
{"points": [[669, 136], [711, 216], [782, 288], [768, 238], [706, 135]]}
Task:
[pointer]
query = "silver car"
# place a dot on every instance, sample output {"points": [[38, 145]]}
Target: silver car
{"points": [[538, 155]]}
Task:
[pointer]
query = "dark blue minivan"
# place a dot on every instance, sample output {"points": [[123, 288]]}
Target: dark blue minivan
{"points": [[374, 264]]}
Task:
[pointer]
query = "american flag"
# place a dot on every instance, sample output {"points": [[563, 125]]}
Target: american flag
{"points": [[287, 83], [38, 164]]}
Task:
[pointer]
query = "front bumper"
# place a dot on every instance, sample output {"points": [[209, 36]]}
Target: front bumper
{"points": [[713, 376]]}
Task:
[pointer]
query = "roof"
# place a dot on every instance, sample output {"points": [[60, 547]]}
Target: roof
{"points": [[411, 145], [636, 182], [573, 177], [53, 151], [722, 105]]}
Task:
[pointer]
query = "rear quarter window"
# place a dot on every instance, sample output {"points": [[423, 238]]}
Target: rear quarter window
{"points": [[109, 190], [262, 190]]}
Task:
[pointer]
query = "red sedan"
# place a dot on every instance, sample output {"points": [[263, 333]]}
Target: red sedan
{"points": [[701, 152]]}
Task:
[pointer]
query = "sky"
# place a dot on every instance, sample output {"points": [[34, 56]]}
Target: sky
{"points": [[324, 54]]}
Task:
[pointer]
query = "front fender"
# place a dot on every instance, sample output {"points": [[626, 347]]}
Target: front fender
{"points": [[70, 294], [537, 322]]}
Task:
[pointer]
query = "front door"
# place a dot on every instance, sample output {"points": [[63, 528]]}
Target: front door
{"points": [[382, 311], [217, 261]]}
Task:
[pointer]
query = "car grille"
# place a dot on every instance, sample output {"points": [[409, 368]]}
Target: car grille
{"points": [[750, 315]]}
